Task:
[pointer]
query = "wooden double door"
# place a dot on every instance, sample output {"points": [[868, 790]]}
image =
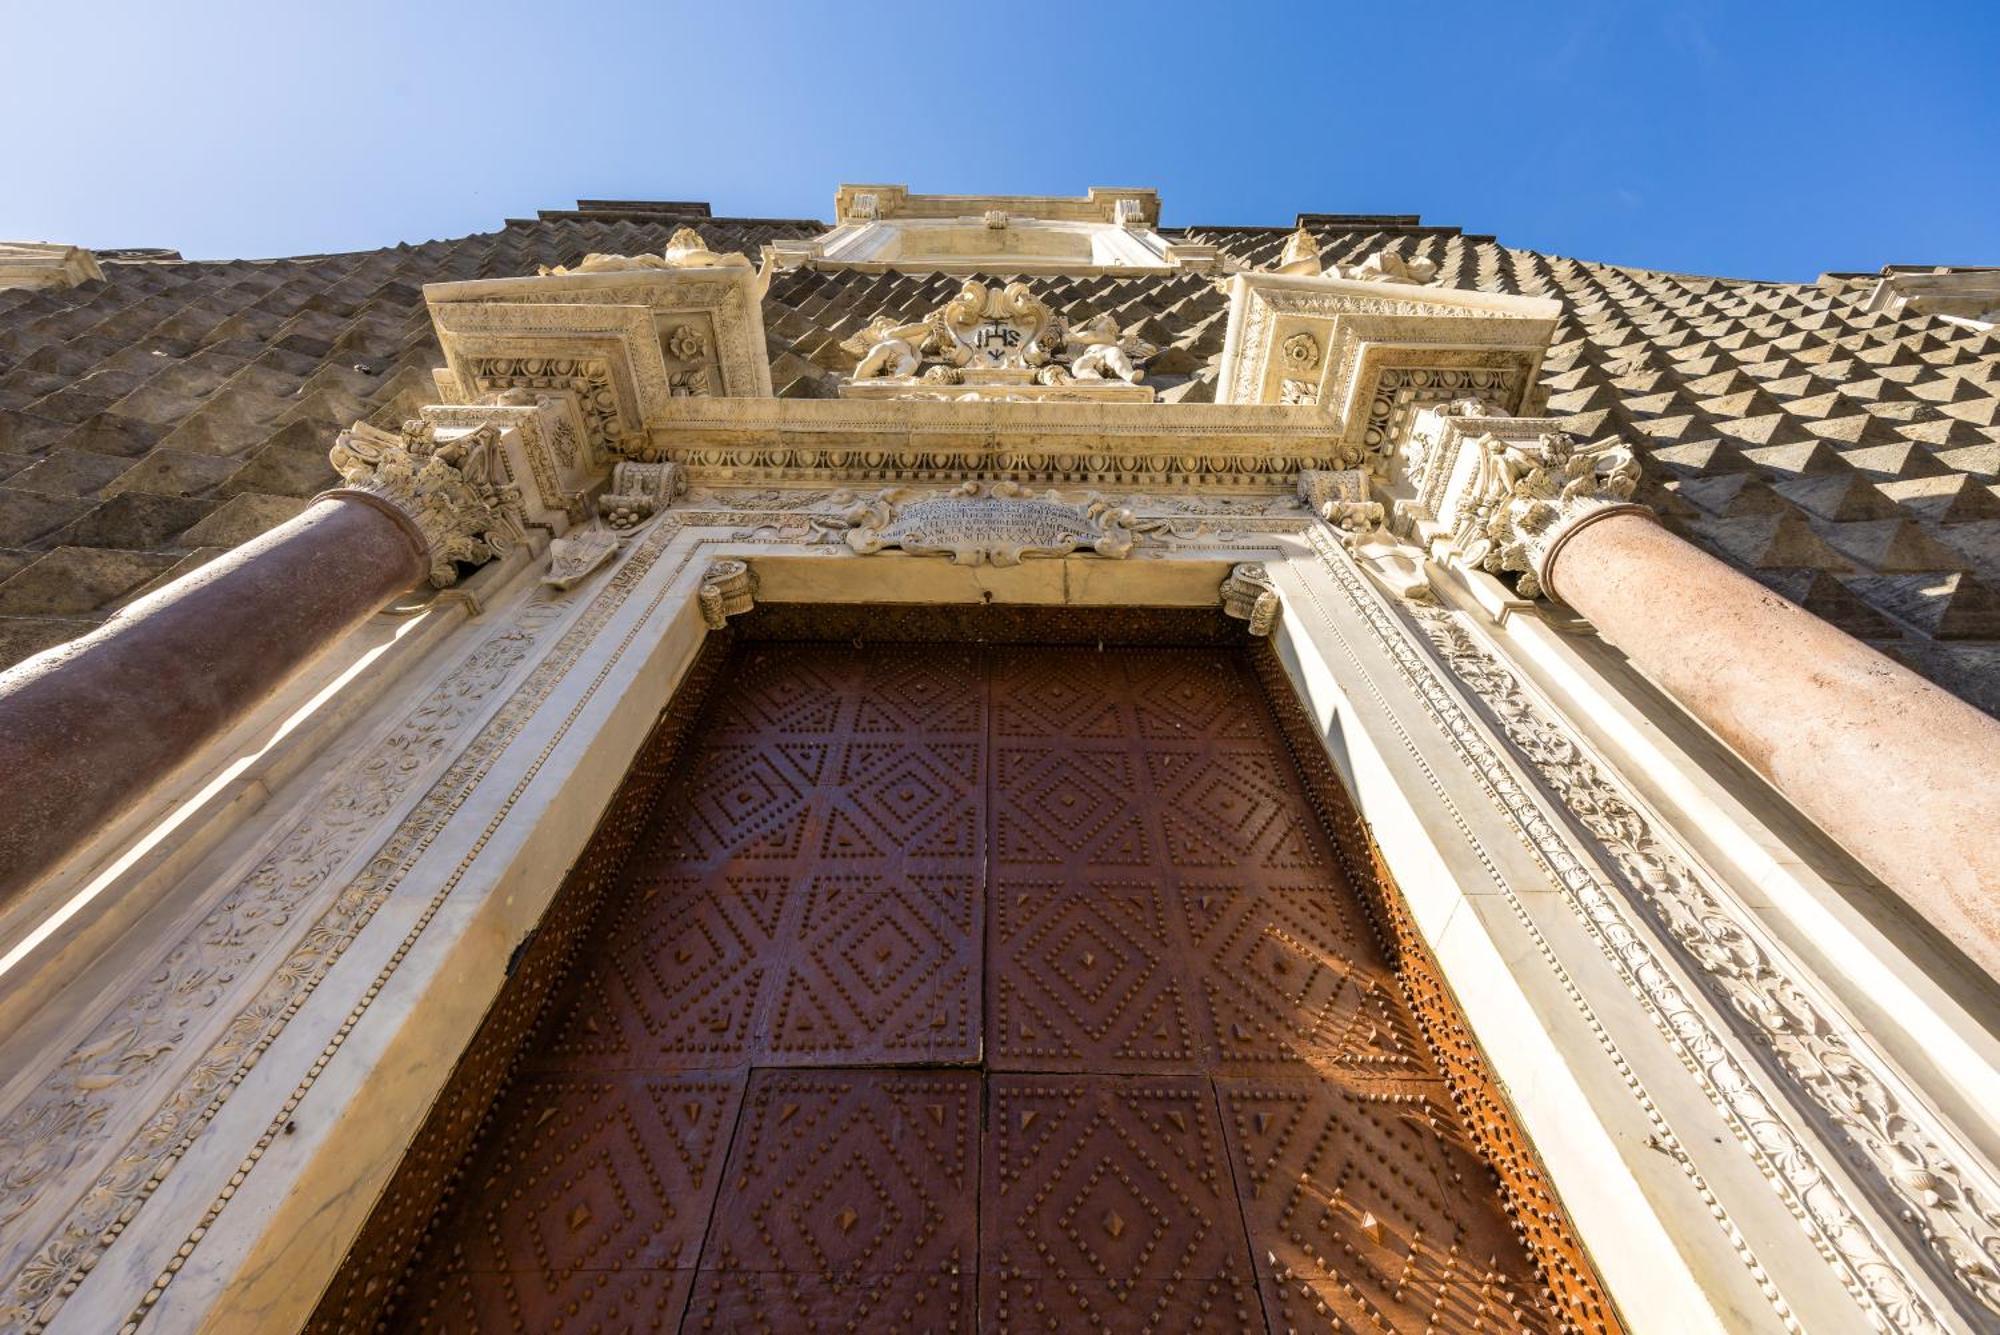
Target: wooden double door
{"points": [[978, 987]]}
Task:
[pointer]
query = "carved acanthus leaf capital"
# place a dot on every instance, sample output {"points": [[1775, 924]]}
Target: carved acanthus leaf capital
{"points": [[455, 492], [1530, 496]]}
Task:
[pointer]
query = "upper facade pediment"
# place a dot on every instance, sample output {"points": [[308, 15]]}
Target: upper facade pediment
{"points": [[1109, 230]]}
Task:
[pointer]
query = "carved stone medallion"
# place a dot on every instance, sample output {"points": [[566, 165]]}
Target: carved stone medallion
{"points": [[981, 523]]}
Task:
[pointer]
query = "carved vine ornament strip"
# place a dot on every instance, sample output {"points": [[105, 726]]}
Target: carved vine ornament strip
{"points": [[1817, 1200], [1893, 1137], [271, 911]]}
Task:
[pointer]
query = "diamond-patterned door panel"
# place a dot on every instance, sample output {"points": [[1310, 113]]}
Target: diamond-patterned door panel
{"points": [[958, 988], [587, 1206], [1108, 1205], [811, 891], [1086, 978], [851, 1203], [1367, 1211]]}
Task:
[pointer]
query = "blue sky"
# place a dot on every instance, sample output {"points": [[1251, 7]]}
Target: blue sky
{"points": [[1767, 140]]}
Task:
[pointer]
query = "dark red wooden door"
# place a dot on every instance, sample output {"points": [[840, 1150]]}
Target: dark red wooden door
{"points": [[956, 988]]}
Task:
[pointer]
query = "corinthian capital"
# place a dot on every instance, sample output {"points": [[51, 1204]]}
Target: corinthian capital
{"points": [[454, 492], [1527, 498]]}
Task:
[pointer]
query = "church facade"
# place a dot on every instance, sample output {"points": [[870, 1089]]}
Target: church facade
{"points": [[996, 764]]}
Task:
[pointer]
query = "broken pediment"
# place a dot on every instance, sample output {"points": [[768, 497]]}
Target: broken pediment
{"points": [[1367, 351], [622, 336]]}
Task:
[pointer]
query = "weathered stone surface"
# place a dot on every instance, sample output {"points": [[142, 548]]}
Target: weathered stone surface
{"points": [[1835, 410]]}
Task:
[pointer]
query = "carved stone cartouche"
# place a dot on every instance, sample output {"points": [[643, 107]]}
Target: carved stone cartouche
{"points": [[979, 523]]}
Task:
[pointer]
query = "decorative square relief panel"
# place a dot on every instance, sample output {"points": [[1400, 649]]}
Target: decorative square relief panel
{"points": [[1369, 353], [621, 336]]}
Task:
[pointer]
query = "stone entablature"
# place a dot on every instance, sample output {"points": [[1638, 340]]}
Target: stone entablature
{"points": [[623, 337]]}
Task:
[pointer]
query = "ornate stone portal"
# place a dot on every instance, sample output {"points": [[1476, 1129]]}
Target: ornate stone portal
{"points": [[1759, 1093]]}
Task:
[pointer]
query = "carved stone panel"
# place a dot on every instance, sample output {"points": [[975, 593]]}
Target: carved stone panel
{"points": [[985, 522]]}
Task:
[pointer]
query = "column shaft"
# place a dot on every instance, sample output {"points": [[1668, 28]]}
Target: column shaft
{"points": [[1903, 774], [89, 727]]}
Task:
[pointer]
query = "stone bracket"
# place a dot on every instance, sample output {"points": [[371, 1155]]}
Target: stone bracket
{"points": [[1248, 595], [728, 588]]}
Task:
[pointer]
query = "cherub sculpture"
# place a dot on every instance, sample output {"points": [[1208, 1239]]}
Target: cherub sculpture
{"points": [[889, 349], [1386, 266], [1100, 350]]}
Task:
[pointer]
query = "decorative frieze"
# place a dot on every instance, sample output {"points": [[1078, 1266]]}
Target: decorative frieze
{"points": [[453, 491]]}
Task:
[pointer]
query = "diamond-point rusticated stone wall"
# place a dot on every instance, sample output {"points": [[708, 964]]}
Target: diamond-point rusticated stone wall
{"points": [[1848, 459]]}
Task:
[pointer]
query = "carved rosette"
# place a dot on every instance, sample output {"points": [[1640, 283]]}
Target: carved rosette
{"points": [[455, 492], [728, 588], [1248, 595], [1529, 499]]}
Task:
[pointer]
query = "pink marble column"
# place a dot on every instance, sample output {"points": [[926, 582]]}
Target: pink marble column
{"points": [[89, 727], [1903, 774]]}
